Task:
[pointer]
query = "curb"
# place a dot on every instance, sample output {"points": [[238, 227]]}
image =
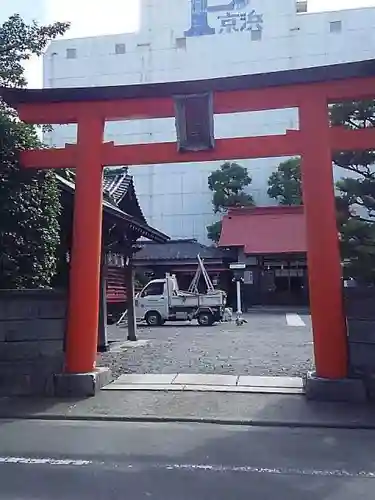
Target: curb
{"points": [[195, 420]]}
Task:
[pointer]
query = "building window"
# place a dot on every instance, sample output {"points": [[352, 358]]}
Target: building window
{"points": [[256, 35], [335, 26], [181, 43], [120, 48], [301, 6], [71, 53]]}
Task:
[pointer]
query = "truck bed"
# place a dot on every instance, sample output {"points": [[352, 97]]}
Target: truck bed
{"points": [[196, 300]]}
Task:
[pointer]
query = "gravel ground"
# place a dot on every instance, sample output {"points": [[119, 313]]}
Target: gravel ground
{"points": [[263, 346]]}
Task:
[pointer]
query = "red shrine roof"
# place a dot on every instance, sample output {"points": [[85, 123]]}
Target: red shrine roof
{"points": [[265, 231]]}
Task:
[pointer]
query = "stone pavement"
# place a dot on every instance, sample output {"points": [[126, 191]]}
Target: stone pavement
{"points": [[207, 383], [272, 343], [226, 408]]}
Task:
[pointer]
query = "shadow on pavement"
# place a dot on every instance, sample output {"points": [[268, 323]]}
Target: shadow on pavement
{"points": [[32, 407]]}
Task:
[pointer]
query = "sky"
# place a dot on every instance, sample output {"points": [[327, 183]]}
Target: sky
{"points": [[108, 17]]}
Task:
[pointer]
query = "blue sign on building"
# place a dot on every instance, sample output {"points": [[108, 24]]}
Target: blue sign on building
{"points": [[236, 17], [199, 19]]}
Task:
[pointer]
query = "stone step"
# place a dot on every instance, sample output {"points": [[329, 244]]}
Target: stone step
{"points": [[207, 383]]}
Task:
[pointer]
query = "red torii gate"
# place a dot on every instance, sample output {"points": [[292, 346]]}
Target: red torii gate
{"points": [[309, 90]]}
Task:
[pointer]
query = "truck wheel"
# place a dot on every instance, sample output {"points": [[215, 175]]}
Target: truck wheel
{"points": [[153, 318], [205, 319]]}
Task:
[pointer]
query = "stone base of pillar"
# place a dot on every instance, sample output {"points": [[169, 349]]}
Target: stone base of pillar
{"points": [[81, 384], [340, 390]]}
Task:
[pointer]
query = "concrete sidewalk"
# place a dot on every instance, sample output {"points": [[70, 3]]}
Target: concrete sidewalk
{"points": [[168, 406]]}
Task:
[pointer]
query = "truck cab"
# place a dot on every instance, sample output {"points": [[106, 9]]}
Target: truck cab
{"points": [[152, 303]]}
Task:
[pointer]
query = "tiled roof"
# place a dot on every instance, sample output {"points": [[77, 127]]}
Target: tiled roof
{"points": [[116, 185], [138, 225], [265, 231], [119, 190], [178, 250]]}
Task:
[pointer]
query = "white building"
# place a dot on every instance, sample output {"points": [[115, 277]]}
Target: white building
{"points": [[196, 39]]}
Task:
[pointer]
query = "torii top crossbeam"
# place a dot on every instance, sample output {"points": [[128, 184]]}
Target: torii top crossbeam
{"points": [[310, 90]]}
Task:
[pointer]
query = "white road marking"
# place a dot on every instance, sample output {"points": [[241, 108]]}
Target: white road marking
{"points": [[43, 461], [294, 320], [277, 470], [203, 467]]}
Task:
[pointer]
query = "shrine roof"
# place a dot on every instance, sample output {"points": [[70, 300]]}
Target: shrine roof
{"points": [[118, 187], [317, 74], [117, 184], [265, 230], [178, 250], [119, 190], [115, 211]]}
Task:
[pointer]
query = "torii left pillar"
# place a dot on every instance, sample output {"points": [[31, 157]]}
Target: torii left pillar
{"points": [[81, 378]]}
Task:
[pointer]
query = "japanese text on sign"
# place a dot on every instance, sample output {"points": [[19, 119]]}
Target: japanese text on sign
{"points": [[243, 21]]}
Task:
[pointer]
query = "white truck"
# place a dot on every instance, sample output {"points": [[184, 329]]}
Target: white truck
{"points": [[161, 300]]}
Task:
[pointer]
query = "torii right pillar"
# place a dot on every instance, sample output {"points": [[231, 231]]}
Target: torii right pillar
{"points": [[330, 380]]}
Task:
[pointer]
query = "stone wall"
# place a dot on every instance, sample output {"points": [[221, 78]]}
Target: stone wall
{"points": [[32, 331], [360, 312]]}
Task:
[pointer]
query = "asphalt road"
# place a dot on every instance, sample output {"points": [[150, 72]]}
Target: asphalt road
{"points": [[101, 460]]}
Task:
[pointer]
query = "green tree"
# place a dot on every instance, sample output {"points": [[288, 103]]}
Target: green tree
{"points": [[285, 184], [29, 200], [228, 185], [356, 199], [214, 231]]}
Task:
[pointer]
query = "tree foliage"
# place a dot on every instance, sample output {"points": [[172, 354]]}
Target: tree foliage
{"points": [[355, 199], [214, 231], [228, 185], [29, 200], [19, 42], [285, 184], [357, 193]]}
